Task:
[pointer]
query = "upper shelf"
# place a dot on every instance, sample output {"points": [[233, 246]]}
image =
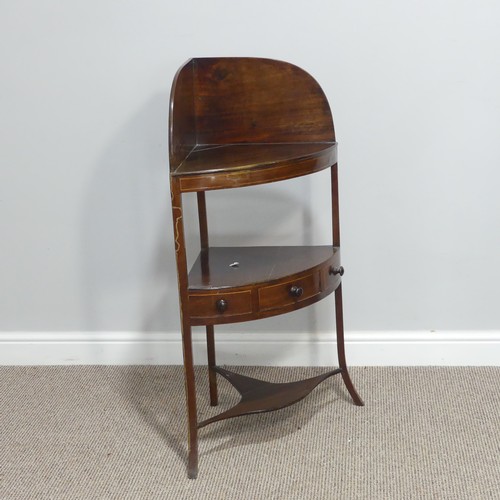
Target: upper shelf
{"points": [[243, 121], [236, 165]]}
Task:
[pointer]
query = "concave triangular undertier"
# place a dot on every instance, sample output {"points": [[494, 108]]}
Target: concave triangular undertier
{"points": [[258, 396]]}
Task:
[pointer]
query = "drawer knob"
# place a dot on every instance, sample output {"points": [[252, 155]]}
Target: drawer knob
{"points": [[221, 305], [296, 291], [337, 270]]}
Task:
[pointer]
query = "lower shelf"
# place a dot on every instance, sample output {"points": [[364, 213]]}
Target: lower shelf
{"points": [[258, 396]]}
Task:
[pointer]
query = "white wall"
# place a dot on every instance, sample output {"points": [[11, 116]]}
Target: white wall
{"points": [[84, 205]]}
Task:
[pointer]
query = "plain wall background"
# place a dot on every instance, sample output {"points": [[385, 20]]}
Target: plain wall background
{"points": [[85, 229]]}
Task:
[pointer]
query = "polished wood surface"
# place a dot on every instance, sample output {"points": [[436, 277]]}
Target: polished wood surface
{"points": [[259, 282], [238, 165], [238, 122], [258, 396], [203, 160], [187, 341], [232, 267], [259, 102], [236, 100], [182, 119]]}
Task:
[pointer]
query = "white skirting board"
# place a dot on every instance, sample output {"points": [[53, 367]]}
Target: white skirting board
{"points": [[370, 348]]}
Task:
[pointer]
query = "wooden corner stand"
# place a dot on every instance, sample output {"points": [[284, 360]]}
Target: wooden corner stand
{"points": [[238, 122]]}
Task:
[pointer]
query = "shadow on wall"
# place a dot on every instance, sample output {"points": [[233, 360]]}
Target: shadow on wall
{"points": [[127, 253], [128, 266]]}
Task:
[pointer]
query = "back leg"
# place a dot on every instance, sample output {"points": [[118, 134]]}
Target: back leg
{"points": [[212, 375], [339, 318]]}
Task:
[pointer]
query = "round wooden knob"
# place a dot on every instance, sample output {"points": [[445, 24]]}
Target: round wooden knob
{"points": [[337, 270], [221, 305], [296, 291]]}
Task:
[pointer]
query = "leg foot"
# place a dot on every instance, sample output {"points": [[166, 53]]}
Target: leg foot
{"points": [[341, 348], [350, 387], [192, 469]]}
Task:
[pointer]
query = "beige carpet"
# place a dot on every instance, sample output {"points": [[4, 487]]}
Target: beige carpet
{"points": [[119, 433]]}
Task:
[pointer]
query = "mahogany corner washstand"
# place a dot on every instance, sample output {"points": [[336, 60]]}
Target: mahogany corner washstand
{"points": [[238, 122]]}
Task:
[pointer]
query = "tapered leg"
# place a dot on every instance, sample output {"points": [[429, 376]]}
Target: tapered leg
{"points": [[339, 318], [212, 375], [187, 343]]}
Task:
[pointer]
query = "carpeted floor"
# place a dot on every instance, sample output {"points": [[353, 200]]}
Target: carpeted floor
{"points": [[119, 433]]}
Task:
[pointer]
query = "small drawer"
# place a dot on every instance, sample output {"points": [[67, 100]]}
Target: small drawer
{"points": [[290, 292], [215, 305], [331, 275]]}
